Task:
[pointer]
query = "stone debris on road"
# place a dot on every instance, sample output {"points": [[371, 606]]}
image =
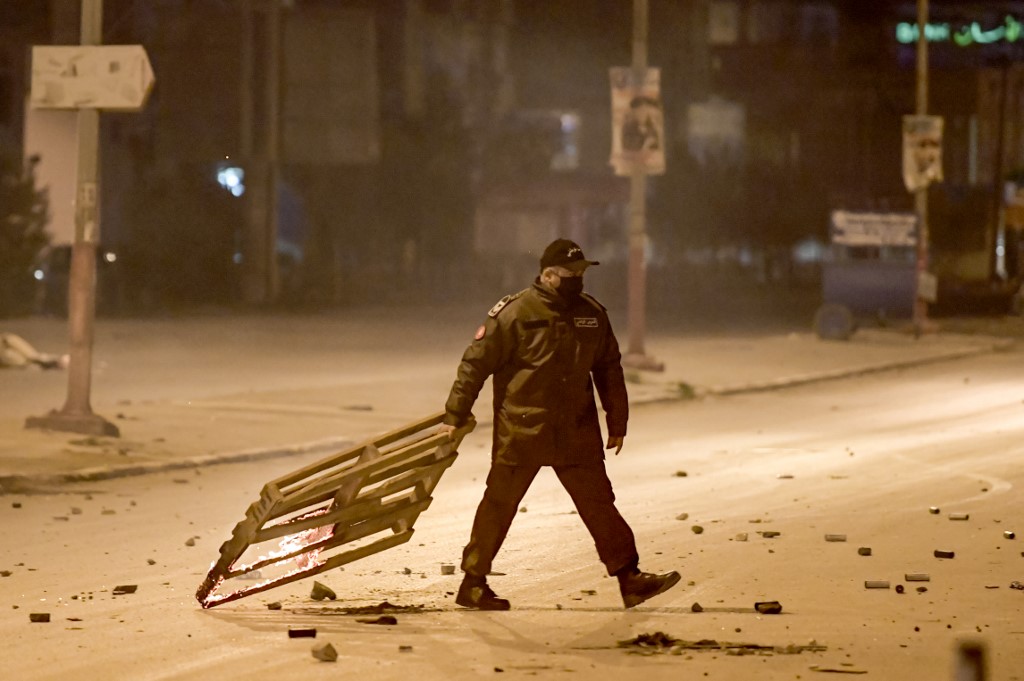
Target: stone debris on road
{"points": [[939, 553], [768, 607], [697, 529], [1008, 534], [899, 588], [1017, 585], [383, 619], [276, 605], [321, 592], [769, 534], [39, 617], [405, 649], [125, 589], [302, 632], [839, 670], [682, 516], [876, 584], [660, 642], [742, 536], [959, 516], [934, 510], [917, 577], [447, 569], [324, 652], [696, 607], [835, 537], [864, 551]]}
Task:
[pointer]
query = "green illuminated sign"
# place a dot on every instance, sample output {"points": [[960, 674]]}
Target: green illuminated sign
{"points": [[969, 34]]}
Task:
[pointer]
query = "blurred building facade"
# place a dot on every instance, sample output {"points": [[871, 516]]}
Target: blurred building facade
{"points": [[306, 150]]}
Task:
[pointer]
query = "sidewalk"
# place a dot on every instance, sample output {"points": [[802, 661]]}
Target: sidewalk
{"points": [[169, 434]]}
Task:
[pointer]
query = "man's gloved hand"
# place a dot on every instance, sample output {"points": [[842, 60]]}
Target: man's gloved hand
{"points": [[615, 443], [447, 430]]}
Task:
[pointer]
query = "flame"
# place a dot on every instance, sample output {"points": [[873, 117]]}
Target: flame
{"points": [[288, 544]]}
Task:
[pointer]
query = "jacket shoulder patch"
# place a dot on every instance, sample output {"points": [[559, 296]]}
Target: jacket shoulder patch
{"points": [[500, 305]]}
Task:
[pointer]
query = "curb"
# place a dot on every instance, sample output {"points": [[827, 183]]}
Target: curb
{"points": [[15, 483]]}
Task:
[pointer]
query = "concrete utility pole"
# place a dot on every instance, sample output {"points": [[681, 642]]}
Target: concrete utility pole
{"points": [[921, 195], [636, 357], [76, 416]]}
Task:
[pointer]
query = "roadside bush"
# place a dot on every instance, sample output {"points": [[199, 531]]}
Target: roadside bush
{"points": [[24, 214]]}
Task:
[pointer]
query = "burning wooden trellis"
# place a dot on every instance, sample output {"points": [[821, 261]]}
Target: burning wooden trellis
{"points": [[342, 508]]}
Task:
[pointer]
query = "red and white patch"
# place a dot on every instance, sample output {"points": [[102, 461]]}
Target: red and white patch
{"points": [[479, 333]]}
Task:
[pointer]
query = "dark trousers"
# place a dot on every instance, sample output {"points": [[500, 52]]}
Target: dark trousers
{"points": [[591, 492]]}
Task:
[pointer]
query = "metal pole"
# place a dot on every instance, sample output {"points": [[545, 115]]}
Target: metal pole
{"points": [[273, 149], [76, 415], [920, 319], [636, 357]]}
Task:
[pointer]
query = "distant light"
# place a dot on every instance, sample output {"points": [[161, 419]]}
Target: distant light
{"points": [[110, 256], [232, 178], [39, 275], [237, 258]]}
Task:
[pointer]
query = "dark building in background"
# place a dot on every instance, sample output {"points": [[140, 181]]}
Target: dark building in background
{"points": [[431, 144]]}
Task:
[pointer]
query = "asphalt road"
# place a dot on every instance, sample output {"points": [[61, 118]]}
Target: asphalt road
{"points": [[862, 457]]}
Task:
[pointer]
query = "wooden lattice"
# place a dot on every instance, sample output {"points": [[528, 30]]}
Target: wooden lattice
{"points": [[340, 509]]}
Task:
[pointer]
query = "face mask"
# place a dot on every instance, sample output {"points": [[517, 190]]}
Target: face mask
{"points": [[570, 288]]}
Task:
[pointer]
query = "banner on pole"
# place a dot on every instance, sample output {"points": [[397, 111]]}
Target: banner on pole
{"points": [[922, 151], [638, 123]]}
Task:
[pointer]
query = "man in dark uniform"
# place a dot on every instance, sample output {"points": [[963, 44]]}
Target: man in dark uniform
{"points": [[547, 348]]}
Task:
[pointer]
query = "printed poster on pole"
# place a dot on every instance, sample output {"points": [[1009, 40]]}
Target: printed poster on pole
{"points": [[922, 151], [638, 123]]}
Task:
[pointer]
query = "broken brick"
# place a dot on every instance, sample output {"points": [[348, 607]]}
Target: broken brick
{"points": [[768, 607], [876, 584], [959, 516], [917, 577], [276, 605], [696, 607], [325, 652], [864, 551], [938, 553], [770, 534], [306, 632], [39, 617], [405, 649], [835, 537], [447, 569], [1008, 534], [934, 510], [321, 592], [124, 589]]}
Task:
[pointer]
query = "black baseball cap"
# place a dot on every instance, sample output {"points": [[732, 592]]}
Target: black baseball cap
{"points": [[567, 254]]}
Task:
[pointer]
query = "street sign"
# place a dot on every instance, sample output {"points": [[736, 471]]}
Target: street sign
{"points": [[108, 77]]}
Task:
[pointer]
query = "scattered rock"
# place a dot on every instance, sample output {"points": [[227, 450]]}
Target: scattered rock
{"points": [[899, 588], [1008, 534], [306, 632], [5, 573], [876, 584], [406, 571], [934, 510], [190, 541], [938, 553], [959, 516], [447, 569], [125, 589], [768, 607], [682, 516], [383, 619], [697, 529], [325, 652], [16, 504], [742, 536], [60, 517], [76, 511], [769, 534], [405, 649], [321, 592], [922, 589], [151, 561], [696, 607], [864, 551], [180, 481], [39, 617], [108, 511], [522, 509], [1017, 585], [784, 476], [917, 577], [681, 474], [275, 605], [835, 537], [358, 407]]}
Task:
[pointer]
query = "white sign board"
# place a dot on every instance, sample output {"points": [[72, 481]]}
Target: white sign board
{"points": [[109, 77], [873, 229]]}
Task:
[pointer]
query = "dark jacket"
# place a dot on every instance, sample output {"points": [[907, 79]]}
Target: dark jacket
{"points": [[546, 356]]}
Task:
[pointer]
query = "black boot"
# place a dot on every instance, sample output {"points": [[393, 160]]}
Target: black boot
{"points": [[636, 587], [474, 593]]}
